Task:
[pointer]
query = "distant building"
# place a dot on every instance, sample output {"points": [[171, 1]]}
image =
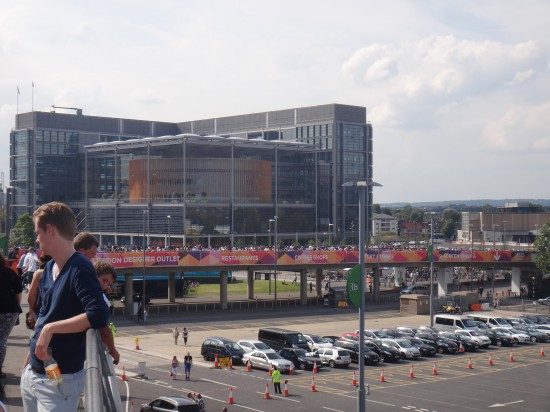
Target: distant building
{"points": [[383, 224], [213, 178]]}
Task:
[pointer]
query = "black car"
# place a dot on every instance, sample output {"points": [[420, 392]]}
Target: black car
{"points": [[467, 344], [442, 345], [498, 338], [301, 358], [173, 403], [424, 348], [222, 347], [371, 358], [534, 334], [396, 334], [387, 353]]}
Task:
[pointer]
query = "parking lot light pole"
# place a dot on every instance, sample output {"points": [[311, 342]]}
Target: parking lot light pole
{"points": [[362, 185], [494, 257], [276, 257], [431, 253], [144, 264]]}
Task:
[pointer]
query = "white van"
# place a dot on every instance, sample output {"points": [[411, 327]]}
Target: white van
{"points": [[453, 322], [491, 320]]}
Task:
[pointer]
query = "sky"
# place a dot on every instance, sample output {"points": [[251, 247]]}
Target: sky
{"points": [[458, 92]]}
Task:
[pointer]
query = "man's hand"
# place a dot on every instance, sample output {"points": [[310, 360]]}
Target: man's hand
{"points": [[116, 356], [41, 349]]}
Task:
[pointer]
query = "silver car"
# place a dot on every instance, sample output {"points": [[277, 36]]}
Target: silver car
{"points": [[266, 360], [408, 351], [334, 356]]}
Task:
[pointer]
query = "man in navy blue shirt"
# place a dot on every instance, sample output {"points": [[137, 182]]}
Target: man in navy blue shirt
{"points": [[72, 302]]}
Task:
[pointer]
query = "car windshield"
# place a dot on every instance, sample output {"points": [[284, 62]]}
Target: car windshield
{"points": [[261, 346], [273, 355], [474, 333], [232, 346], [469, 323], [317, 339], [385, 345], [380, 335], [300, 352], [405, 344], [342, 352], [416, 341], [296, 338]]}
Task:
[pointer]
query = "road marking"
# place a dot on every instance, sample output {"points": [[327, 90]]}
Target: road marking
{"points": [[330, 409], [280, 397], [219, 383], [498, 405]]}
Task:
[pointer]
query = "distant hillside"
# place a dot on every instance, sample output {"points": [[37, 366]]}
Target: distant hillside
{"points": [[469, 203]]}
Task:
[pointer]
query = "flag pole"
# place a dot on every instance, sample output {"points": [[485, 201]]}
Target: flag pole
{"points": [[32, 98]]}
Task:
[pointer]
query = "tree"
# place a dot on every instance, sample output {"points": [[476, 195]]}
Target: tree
{"points": [[376, 208], [537, 207], [449, 228], [23, 231], [451, 214], [487, 209], [542, 247]]}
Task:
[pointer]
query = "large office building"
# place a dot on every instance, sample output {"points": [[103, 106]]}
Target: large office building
{"points": [[243, 178]]}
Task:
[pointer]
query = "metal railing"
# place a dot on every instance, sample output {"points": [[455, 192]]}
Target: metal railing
{"points": [[101, 391]]}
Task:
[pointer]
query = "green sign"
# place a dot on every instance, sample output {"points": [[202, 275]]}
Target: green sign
{"points": [[352, 286]]}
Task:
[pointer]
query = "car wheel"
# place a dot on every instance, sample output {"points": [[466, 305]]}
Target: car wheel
{"points": [[533, 339], [331, 363], [516, 341], [499, 343], [205, 357], [382, 358], [440, 350]]}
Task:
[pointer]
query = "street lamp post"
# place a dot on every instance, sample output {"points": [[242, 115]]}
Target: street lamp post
{"points": [[494, 257], [362, 185], [169, 243], [144, 269], [274, 220], [431, 253]]}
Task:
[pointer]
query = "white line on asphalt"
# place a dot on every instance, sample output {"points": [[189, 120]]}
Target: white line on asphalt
{"points": [[330, 409], [366, 400], [280, 397], [219, 383]]}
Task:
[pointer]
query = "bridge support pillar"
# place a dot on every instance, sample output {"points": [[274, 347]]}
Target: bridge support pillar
{"points": [[171, 287], [318, 282], [303, 287], [223, 289], [400, 277], [128, 293], [444, 278], [516, 280], [250, 283]]}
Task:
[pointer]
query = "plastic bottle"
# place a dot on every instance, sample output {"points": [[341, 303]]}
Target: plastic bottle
{"points": [[52, 369]]}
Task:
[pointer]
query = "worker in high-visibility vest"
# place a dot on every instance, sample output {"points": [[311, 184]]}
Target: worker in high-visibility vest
{"points": [[276, 378]]}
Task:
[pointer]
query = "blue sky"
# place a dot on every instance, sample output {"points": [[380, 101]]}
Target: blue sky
{"points": [[458, 92]]}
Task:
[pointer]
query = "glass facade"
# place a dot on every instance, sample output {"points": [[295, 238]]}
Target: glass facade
{"points": [[214, 177]]}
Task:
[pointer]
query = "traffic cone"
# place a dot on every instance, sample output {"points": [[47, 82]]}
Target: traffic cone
{"points": [[411, 372], [230, 400], [248, 366], [382, 379], [315, 367], [511, 357], [313, 384], [291, 368], [434, 371], [542, 351], [460, 347], [131, 406], [266, 394], [490, 361], [216, 364], [137, 345], [470, 363], [123, 377], [285, 392], [230, 363], [270, 370], [354, 381]]}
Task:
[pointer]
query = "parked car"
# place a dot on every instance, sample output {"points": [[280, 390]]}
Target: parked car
{"points": [[331, 338], [301, 358], [440, 344], [251, 345], [374, 334], [415, 289], [482, 340], [535, 335], [278, 339], [334, 356], [386, 352], [349, 337], [316, 342], [498, 338], [518, 336], [223, 348], [267, 360], [136, 297], [396, 334], [371, 358], [408, 351], [544, 301], [467, 344], [424, 348], [171, 403]]}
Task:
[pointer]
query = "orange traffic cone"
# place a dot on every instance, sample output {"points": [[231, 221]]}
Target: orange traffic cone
{"points": [[291, 368], [313, 384], [266, 394], [216, 363], [132, 406], [411, 372], [315, 367], [470, 363], [490, 361], [137, 345], [542, 351], [230, 400], [434, 371], [248, 366], [270, 370], [382, 379], [285, 392], [511, 357], [354, 381], [123, 377], [460, 347]]}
